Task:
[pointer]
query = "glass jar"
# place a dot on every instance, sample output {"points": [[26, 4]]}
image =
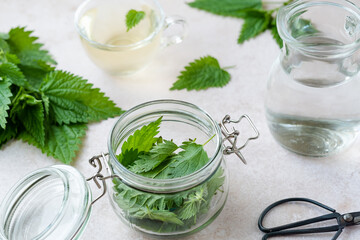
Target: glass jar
{"points": [[169, 207], [313, 90], [51, 203], [55, 202]]}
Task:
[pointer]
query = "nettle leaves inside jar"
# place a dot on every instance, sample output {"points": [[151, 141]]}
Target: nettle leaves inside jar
{"points": [[149, 155]]}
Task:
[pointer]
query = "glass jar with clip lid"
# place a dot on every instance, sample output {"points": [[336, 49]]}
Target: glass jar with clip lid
{"points": [[55, 202]]}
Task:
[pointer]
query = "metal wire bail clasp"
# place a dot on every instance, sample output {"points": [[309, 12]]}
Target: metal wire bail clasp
{"points": [[232, 137], [98, 177]]}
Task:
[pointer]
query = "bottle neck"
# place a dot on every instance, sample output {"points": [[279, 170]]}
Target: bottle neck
{"points": [[315, 69], [326, 29]]}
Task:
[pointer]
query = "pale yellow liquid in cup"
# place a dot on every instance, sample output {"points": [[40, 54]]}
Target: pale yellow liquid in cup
{"points": [[106, 25]]}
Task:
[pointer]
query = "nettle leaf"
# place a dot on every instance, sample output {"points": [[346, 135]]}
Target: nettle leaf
{"points": [[202, 74], [138, 143], [193, 203], [62, 142], [160, 215], [128, 157], [32, 118], [215, 182], [256, 22], [27, 49], [36, 75], [154, 158], [133, 18], [33, 61], [73, 100], [11, 72], [161, 171], [12, 58], [231, 8], [147, 206], [129, 197], [192, 158], [5, 95], [144, 138]]}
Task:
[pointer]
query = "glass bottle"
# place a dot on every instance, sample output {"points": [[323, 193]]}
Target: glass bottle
{"points": [[145, 204], [312, 101]]}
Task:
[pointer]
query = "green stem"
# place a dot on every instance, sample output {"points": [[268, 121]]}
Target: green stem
{"points": [[278, 2], [17, 95], [229, 67], [2, 56], [275, 2], [167, 165], [209, 140]]}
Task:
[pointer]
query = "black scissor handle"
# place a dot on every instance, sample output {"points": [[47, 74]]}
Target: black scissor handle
{"points": [[296, 224], [335, 228]]}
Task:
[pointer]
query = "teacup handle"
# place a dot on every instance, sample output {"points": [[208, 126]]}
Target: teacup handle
{"points": [[178, 35]]}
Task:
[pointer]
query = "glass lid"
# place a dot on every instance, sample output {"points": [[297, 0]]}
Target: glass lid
{"points": [[50, 203]]}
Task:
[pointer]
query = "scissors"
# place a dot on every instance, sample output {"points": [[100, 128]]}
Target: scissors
{"points": [[343, 220]]}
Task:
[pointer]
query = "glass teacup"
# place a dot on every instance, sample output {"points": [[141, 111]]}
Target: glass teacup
{"points": [[101, 25]]}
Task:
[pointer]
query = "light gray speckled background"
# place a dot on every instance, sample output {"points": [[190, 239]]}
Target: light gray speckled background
{"points": [[272, 173]]}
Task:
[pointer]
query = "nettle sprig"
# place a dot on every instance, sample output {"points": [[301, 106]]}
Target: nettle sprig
{"points": [[257, 18], [45, 107]]}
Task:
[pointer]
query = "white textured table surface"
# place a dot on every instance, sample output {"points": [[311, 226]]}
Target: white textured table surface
{"points": [[272, 173]]}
